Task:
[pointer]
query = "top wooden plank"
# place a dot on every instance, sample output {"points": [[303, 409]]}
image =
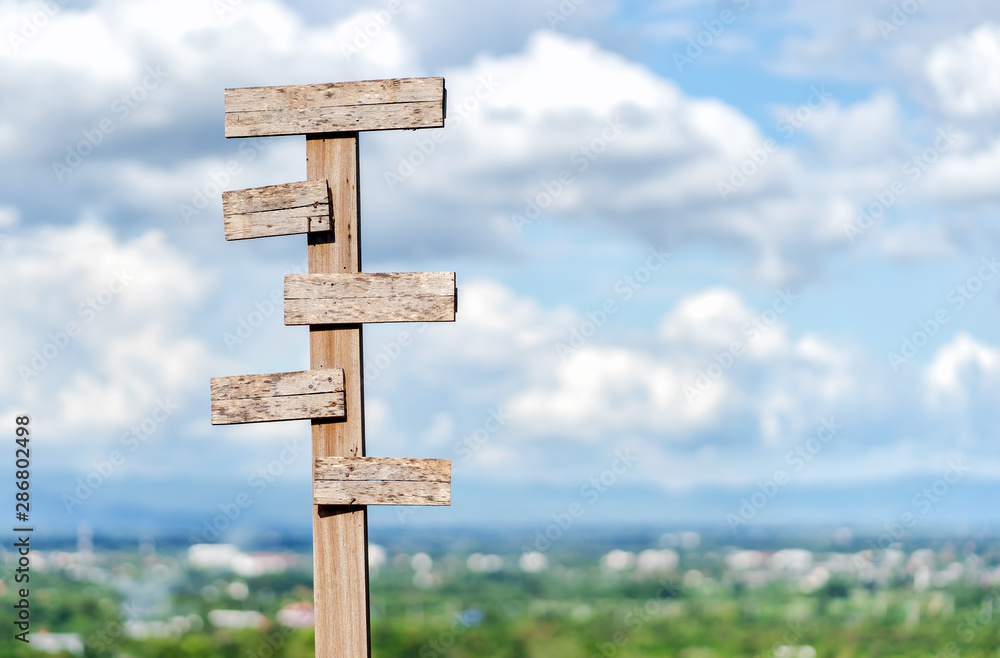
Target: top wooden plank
{"points": [[403, 103]]}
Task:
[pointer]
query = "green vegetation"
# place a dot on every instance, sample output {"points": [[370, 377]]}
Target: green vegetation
{"points": [[720, 602]]}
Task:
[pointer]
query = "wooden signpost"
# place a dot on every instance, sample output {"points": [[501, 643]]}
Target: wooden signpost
{"points": [[334, 299]]}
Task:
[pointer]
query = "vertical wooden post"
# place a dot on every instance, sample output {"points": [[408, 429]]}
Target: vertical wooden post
{"points": [[331, 116], [340, 534]]}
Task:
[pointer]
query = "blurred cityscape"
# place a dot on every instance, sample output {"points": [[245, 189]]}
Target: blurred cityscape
{"points": [[695, 594]]}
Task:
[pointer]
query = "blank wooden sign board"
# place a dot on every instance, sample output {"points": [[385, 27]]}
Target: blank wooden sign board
{"points": [[335, 299]]}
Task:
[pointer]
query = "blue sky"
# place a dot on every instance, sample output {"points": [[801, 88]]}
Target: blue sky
{"points": [[822, 178]]}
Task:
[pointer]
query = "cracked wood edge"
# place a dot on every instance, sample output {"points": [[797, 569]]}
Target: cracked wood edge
{"points": [[274, 210]]}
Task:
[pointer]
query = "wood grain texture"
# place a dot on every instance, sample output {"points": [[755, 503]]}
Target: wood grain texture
{"points": [[277, 210], [281, 396], [370, 284], [268, 410], [356, 298], [340, 533], [276, 197], [382, 469], [405, 103], [381, 481], [358, 92], [365, 492], [329, 380]]}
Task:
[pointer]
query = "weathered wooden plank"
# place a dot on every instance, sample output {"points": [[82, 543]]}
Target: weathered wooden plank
{"points": [[358, 92], [354, 494], [276, 197], [405, 103], [277, 210], [281, 396], [382, 469], [314, 120], [329, 380], [289, 407], [278, 222], [381, 481], [370, 285], [353, 311], [358, 298]]}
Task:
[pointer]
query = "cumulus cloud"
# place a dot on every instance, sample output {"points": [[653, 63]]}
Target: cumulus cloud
{"points": [[966, 173], [598, 392], [718, 394], [965, 72], [962, 369], [98, 327], [9, 216], [912, 241], [716, 383], [127, 97], [863, 132], [861, 40], [566, 130], [549, 128], [548, 135], [716, 361]]}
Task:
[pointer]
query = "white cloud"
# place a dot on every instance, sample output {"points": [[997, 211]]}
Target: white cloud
{"points": [[712, 317], [863, 41], [497, 324], [93, 56], [97, 328], [962, 369], [913, 241], [373, 35], [598, 392], [440, 431], [378, 416], [863, 132], [632, 150], [675, 385], [965, 72], [968, 172], [67, 264], [613, 392], [522, 111], [79, 42], [9, 216], [135, 371], [535, 113], [189, 191]]}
